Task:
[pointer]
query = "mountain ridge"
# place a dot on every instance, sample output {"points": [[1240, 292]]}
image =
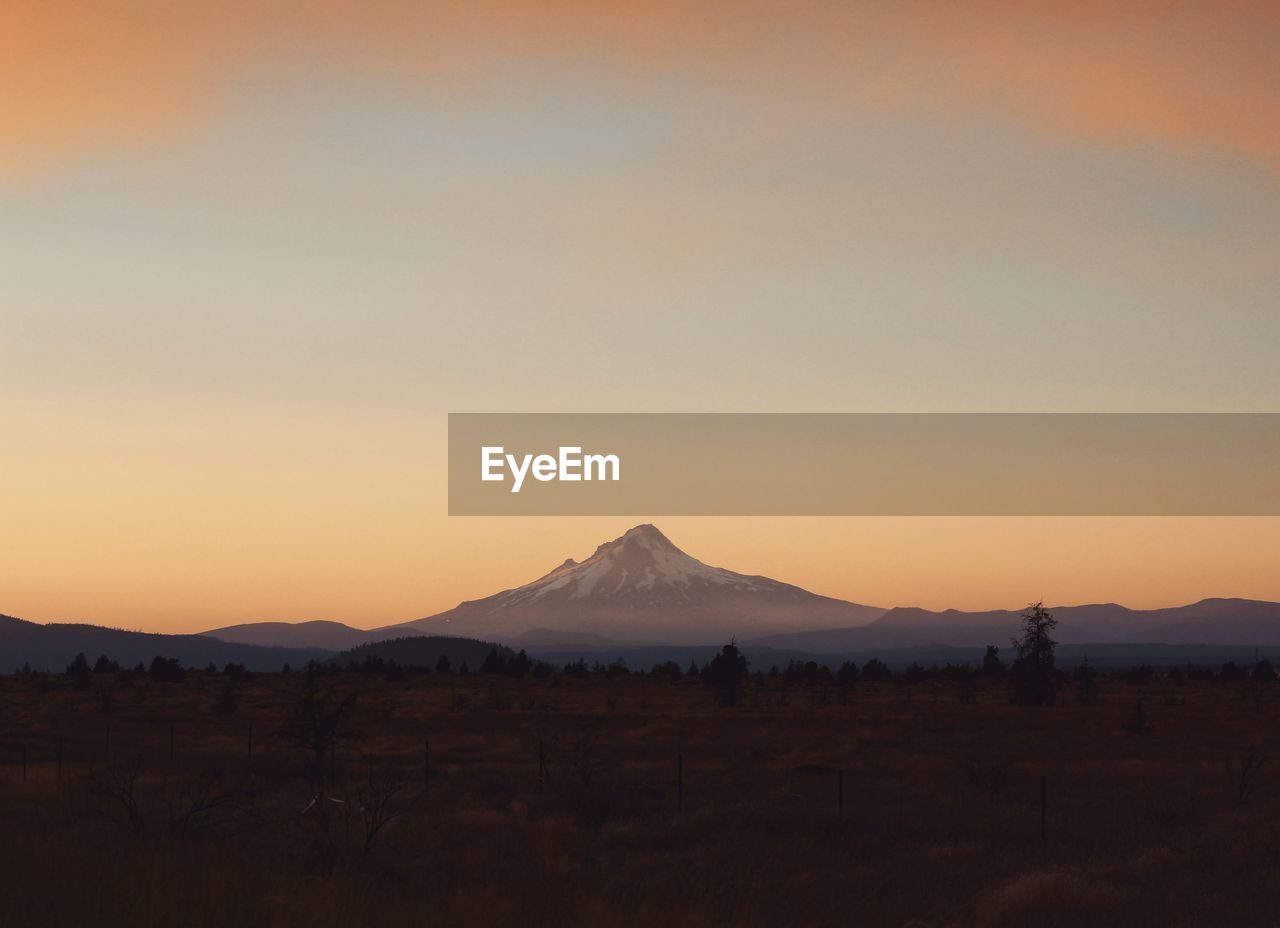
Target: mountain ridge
{"points": [[1211, 621], [640, 591], [53, 646]]}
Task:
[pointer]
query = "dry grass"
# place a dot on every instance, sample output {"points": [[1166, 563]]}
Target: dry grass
{"points": [[941, 823]]}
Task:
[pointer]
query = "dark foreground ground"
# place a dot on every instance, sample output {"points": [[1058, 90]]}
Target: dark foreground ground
{"points": [[1169, 820]]}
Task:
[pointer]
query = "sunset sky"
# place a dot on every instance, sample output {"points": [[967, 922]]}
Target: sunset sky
{"points": [[252, 253]]}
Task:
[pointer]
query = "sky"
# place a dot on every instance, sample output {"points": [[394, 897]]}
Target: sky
{"points": [[252, 253]]}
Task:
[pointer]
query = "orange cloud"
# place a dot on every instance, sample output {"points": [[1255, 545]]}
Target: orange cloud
{"points": [[80, 77]]}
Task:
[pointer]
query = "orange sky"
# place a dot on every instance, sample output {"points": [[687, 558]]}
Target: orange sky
{"points": [[254, 253], [1188, 75]]}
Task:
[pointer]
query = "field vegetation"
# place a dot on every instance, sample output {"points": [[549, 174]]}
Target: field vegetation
{"points": [[597, 796]]}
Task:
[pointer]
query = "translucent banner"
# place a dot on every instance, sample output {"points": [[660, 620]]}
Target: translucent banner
{"points": [[845, 464]]}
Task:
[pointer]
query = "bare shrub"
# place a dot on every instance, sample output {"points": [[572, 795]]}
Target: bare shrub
{"points": [[114, 788], [317, 721], [1244, 769], [202, 802], [345, 827]]}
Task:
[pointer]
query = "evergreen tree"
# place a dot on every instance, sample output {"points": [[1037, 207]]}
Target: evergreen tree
{"points": [[79, 671], [1033, 671], [105, 664], [992, 667], [726, 672]]}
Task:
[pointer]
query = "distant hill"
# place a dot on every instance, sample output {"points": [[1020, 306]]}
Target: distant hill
{"points": [[332, 636], [1214, 621], [425, 651], [53, 647], [1227, 622]]}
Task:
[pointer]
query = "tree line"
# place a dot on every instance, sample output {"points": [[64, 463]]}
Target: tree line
{"points": [[1033, 675]]}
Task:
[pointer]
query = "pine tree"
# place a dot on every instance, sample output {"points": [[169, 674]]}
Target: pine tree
{"points": [[1033, 671]]}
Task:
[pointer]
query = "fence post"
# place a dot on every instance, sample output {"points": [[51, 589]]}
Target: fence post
{"points": [[24, 763], [840, 792], [250, 741], [170, 740], [106, 744], [679, 782], [59, 758], [426, 759], [1042, 806], [333, 762]]}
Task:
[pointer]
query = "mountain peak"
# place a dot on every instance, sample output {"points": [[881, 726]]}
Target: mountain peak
{"points": [[645, 536], [644, 530]]}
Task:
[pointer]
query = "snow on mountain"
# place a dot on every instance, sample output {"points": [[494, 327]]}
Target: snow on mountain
{"points": [[641, 587]]}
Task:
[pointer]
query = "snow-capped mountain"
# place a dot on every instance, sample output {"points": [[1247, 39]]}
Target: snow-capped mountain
{"points": [[642, 588]]}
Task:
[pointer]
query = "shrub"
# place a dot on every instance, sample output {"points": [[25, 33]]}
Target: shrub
{"points": [[166, 670]]}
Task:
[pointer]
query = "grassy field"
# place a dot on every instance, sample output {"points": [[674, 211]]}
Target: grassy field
{"points": [[558, 801]]}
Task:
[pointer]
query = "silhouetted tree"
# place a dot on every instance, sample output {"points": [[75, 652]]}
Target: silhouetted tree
{"points": [[992, 667], [79, 671], [1033, 671], [876, 670], [105, 664], [444, 665], [519, 664], [1231, 673], [1263, 672], [166, 670], [668, 670], [914, 673], [317, 720], [726, 672]]}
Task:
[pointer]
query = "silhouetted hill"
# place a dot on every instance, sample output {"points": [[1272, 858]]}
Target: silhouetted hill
{"points": [[425, 651], [1225, 622], [53, 647], [332, 636]]}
